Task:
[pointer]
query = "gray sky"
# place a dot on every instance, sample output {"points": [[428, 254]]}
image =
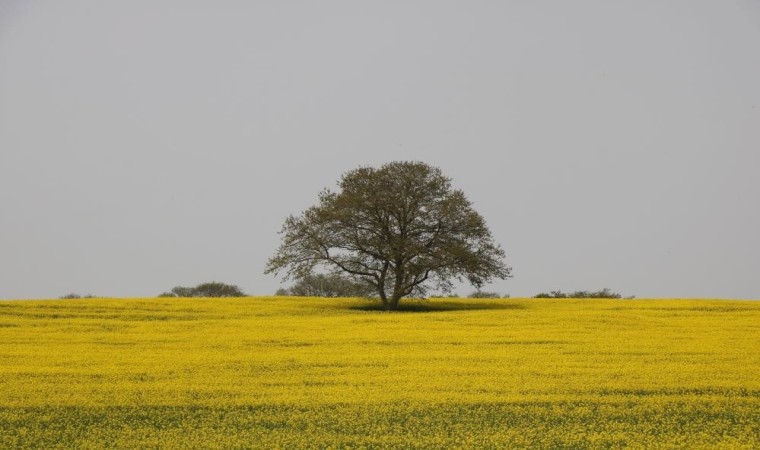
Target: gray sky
{"points": [[150, 144]]}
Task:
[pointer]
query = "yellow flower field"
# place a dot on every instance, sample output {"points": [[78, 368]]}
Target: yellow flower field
{"points": [[279, 372]]}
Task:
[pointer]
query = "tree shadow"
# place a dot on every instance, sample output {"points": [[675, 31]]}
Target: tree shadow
{"points": [[426, 306]]}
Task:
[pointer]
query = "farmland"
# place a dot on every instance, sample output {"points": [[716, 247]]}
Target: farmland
{"points": [[285, 372]]}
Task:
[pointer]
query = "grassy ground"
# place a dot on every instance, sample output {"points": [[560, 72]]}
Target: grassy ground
{"points": [[304, 372]]}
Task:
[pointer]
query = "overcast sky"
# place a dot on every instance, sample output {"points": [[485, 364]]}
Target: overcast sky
{"points": [[150, 144]]}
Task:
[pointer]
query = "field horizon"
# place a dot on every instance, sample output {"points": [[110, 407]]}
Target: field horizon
{"points": [[294, 372]]}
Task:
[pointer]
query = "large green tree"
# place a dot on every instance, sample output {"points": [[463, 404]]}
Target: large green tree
{"points": [[401, 228]]}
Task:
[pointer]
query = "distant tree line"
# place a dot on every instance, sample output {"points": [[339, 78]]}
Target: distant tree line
{"points": [[487, 294], [604, 293], [73, 296], [338, 285], [212, 289]]}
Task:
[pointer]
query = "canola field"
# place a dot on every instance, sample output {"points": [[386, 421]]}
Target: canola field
{"points": [[280, 372]]}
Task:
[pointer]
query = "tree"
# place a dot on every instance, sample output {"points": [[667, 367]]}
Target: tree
{"points": [[212, 289], [328, 285], [398, 228]]}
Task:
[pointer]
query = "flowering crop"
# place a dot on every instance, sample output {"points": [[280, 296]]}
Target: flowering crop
{"points": [[280, 372]]}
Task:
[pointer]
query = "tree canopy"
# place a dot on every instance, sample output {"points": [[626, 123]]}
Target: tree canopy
{"points": [[400, 228]]}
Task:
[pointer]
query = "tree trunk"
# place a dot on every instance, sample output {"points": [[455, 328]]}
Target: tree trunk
{"points": [[389, 304], [397, 287], [394, 303], [384, 298]]}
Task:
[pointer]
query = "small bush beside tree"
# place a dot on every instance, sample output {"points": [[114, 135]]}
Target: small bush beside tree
{"points": [[328, 285]]}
